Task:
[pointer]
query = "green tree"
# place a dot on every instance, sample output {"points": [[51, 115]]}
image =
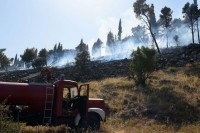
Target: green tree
{"points": [[4, 61], [152, 17], [190, 12], [96, 48], [197, 15], [41, 60], [15, 60], [82, 61], [197, 20], [120, 30], [43, 53], [144, 12], [142, 64], [82, 47], [55, 48], [110, 42], [166, 19], [59, 51], [28, 56], [36, 52], [60, 48]]}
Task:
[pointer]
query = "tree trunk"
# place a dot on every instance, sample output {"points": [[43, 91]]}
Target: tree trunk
{"points": [[192, 30], [148, 23], [198, 30], [154, 39], [167, 39]]}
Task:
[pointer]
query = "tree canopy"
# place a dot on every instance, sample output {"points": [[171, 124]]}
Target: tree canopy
{"points": [[4, 61], [29, 55]]}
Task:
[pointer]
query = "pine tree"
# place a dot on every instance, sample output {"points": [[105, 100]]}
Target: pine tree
{"points": [[15, 60], [96, 48], [152, 16], [4, 61], [166, 18], [55, 48], [82, 47], [146, 13], [191, 14], [110, 42]]}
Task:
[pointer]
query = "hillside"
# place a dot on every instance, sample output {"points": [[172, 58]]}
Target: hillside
{"points": [[177, 57], [169, 103]]}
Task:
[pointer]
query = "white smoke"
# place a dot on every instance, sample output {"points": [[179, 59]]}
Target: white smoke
{"points": [[184, 36], [123, 49], [66, 59]]}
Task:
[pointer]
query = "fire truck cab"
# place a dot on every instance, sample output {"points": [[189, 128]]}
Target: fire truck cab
{"points": [[72, 101]]}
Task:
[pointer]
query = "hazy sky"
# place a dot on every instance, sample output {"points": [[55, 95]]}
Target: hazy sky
{"points": [[43, 23]]}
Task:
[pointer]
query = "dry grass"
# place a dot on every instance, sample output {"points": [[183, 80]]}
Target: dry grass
{"points": [[45, 129], [172, 91], [148, 126]]}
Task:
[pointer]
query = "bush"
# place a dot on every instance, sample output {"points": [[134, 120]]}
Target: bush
{"points": [[142, 64], [6, 123]]}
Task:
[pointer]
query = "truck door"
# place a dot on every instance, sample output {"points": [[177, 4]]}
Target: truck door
{"points": [[83, 99], [70, 97]]}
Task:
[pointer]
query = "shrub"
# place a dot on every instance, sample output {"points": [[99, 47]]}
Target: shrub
{"points": [[6, 123], [142, 64]]}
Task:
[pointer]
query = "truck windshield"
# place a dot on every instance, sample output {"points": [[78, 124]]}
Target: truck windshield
{"points": [[69, 98], [70, 92], [74, 92]]}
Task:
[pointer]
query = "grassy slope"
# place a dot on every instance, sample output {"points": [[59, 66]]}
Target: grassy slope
{"points": [[169, 103]]}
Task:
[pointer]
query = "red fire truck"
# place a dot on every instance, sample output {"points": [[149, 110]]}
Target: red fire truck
{"points": [[62, 102]]}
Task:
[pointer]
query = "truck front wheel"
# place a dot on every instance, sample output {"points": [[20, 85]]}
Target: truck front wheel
{"points": [[91, 122]]}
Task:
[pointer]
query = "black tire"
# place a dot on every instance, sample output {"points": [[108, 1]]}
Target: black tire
{"points": [[91, 122]]}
